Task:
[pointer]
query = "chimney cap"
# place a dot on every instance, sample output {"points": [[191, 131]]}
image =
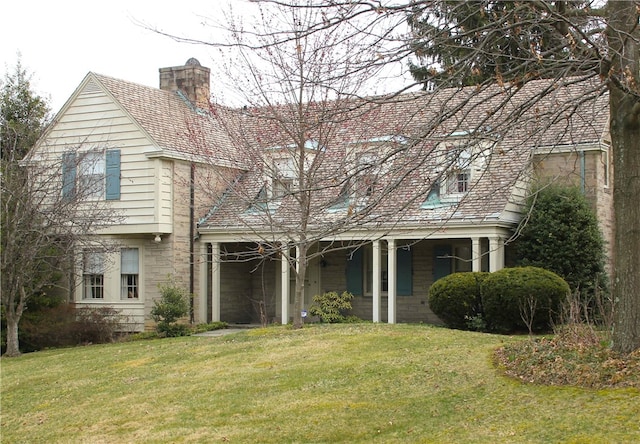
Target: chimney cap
{"points": [[192, 62]]}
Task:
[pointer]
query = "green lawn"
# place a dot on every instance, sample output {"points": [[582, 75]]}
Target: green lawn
{"points": [[343, 383]]}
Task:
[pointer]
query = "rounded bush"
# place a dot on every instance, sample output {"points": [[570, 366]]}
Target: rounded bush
{"points": [[455, 298], [562, 235], [522, 298]]}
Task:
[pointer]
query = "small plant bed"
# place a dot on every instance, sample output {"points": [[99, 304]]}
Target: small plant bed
{"points": [[569, 359]]}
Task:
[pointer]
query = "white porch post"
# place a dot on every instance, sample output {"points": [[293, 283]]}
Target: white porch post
{"points": [[215, 281], [201, 315], [476, 254], [391, 280], [496, 253], [377, 281], [284, 284]]}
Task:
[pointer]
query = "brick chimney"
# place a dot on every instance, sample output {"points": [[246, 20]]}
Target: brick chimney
{"points": [[192, 80]]}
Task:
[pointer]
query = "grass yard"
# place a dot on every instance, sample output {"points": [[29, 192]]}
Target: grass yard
{"points": [[340, 383]]}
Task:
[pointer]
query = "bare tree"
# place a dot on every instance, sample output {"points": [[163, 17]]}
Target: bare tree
{"points": [[47, 216], [302, 103], [597, 43], [586, 53], [316, 144]]}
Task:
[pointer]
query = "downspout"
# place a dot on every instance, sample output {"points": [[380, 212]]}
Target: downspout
{"points": [[191, 239], [582, 172]]}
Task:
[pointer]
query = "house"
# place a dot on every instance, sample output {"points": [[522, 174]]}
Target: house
{"points": [[398, 192]]}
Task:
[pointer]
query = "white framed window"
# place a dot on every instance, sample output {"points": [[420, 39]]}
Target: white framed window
{"points": [[284, 173], [91, 174], [93, 275], [458, 181], [366, 175], [129, 273], [458, 177]]}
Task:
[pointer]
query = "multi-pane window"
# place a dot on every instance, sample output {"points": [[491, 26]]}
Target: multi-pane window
{"points": [[93, 275], [284, 174], [91, 174], [459, 175], [458, 182], [129, 273]]}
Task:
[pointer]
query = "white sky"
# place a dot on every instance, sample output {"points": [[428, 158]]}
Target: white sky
{"points": [[61, 41]]}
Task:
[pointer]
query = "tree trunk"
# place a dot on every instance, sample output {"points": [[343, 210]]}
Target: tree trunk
{"points": [[13, 348], [301, 259], [625, 134]]}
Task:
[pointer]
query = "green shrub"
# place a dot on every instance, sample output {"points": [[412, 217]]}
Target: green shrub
{"points": [[455, 299], [173, 305], [522, 298], [329, 307], [561, 234]]}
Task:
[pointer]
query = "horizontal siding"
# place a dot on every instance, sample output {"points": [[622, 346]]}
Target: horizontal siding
{"points": [[165, 201], [94, 120]]}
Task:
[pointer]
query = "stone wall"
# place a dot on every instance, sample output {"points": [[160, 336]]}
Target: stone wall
{"points": [[566, 168]]}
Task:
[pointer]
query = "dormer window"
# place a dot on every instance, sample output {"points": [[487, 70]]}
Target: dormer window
{"points": [[366, 174], [458, 182], [283, 177], [458, 163]]}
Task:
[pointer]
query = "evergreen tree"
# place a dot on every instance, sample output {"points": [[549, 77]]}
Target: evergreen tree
{"points": [[23, 114], [472, 42], [561, 234]]}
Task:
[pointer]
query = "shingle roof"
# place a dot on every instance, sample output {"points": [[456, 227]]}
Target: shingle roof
{"points": [[517, 119], [172, 123]]}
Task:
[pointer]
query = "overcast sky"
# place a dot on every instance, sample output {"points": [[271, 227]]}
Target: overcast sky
{"points": [[61, 41]]}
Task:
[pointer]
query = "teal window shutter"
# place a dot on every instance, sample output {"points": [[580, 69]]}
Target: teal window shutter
{"points": [[69, 175], [354, 272], [113, 175], [441, 261], [404, 284]]}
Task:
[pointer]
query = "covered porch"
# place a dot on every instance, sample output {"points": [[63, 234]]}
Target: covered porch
{"points": [[388, 275]]}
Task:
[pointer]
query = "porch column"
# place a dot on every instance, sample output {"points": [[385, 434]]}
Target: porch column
{"points": [[377, 281], [201, 315], [215, 281], [476, 254], [392, 270], [284, 285], [496, 253]]}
